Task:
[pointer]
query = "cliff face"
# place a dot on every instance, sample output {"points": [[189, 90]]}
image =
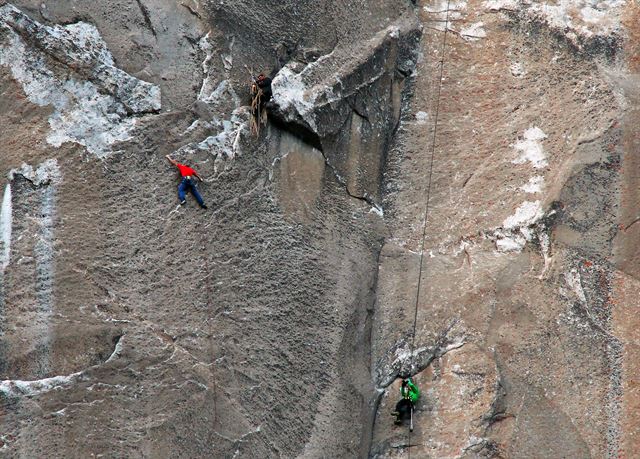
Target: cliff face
{"points": [[277, 322]]}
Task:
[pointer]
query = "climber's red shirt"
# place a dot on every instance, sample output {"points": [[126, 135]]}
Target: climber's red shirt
{"points": [[185, 171]]}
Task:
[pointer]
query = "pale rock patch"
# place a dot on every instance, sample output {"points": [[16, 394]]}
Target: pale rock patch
{"points": [[530, 148], [474, 32], [534, 185]]}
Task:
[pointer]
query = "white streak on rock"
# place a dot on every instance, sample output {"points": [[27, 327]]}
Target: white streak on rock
{"points": [[575, 19], [44, 256], [527, 214], [377, 210], [438, 13], [535, 185], [45, 177], [117, 351], [517, 69], [16, 387], [574, 282], [6, 222], [511, 243], [205, 46], [226, 141], [496, 5]]}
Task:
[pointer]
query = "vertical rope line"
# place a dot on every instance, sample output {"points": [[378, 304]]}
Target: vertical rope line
{"points": [[426, 210]]}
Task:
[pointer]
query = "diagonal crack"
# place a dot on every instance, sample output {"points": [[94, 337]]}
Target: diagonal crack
{"points": [[147, 18]]}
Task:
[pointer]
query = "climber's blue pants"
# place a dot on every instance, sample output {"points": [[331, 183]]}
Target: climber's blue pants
{"points": [[187, 185]]}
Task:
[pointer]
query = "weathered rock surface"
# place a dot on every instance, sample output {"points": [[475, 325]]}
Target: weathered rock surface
{"points": [[482, 150], [526, 212]]}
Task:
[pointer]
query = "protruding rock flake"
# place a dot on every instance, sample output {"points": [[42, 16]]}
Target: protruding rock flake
{"points": [[530, 148], [45, 174], [292, 95], [93, 100]]}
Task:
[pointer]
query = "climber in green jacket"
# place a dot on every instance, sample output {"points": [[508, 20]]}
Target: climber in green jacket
{"points": [[410, 395], [409, 390]]}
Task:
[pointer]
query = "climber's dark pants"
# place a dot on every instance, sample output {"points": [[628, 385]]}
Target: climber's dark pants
{"points": [[403, 407], [187, 185]]}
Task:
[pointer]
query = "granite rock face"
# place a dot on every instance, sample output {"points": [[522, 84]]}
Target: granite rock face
{"points": [[482, 151]]}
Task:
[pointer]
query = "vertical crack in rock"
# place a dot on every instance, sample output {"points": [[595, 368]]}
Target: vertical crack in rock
{"points": [[71, 69]]}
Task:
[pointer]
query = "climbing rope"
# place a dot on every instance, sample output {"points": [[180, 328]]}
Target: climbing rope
{"points": [[258, 112], [426, 210]]}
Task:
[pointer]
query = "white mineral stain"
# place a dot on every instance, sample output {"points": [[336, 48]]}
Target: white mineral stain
{"points": [[530, 148], [496, 5], [527, 214], [83, 113], [6, 221], [421, 117], [517, 69], [535, 185], [16, 387], [573, 18]]}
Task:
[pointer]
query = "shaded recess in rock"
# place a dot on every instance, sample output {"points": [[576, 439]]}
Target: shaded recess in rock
{"points": [[352, 104]]}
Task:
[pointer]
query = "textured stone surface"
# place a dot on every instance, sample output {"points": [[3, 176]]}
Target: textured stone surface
{"points": [[278, 322]]}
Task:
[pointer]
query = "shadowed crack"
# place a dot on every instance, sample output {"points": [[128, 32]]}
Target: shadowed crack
{"points": [[147, 18]]}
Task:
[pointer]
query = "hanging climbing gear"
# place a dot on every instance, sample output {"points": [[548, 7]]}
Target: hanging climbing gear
{"points": [[258, 100]]}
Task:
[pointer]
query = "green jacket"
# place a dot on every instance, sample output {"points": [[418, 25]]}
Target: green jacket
{"points": [[410, 391]]}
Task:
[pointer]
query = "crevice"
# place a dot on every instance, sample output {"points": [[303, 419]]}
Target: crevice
{"points": [[464, 184], [147, 18], [366, 198], [632, 223], [299, 131], [191, 10], [369, 341], [358, 112]]}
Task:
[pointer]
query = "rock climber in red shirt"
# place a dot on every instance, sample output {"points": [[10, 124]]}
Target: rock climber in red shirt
{"points": [[188, 183]]}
